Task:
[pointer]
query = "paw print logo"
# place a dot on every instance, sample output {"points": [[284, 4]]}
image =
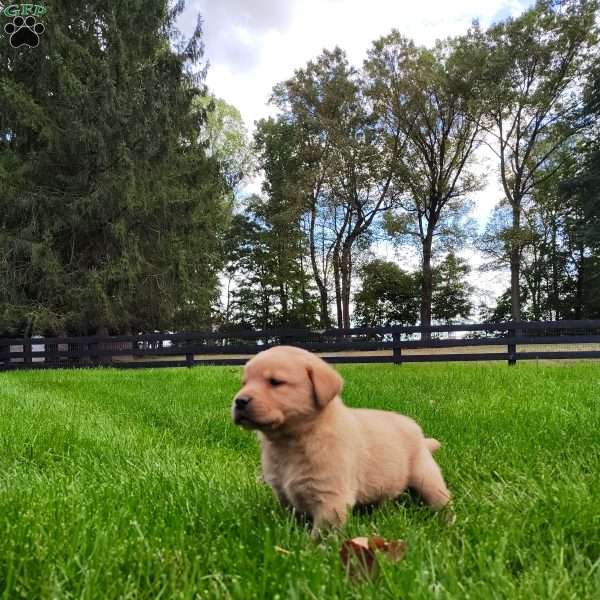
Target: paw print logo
{"points": [[24, 32]]}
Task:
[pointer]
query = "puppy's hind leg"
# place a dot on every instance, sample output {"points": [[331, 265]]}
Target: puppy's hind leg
{"points": [[427, 480]]}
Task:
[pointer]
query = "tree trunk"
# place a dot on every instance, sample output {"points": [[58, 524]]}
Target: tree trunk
{"points": [[515, 263], [323, 299], [426, 285], [324, 319], [303, 291], [346, 268], [228, 303], [534, 283], [283, 299], [580, 284], [265, 309], [102, 331], [337, 270], [555, 294]]}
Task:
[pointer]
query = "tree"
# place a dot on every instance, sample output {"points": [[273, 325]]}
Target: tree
{"points": [[388, 296], [391, 296], [111, 212], [362, 185], [451, 298], [580, 191], [267, 283], [252, 301], [431, 97], [558, 267], [552, 266], [282, 210], [226, 138], [534, 66], [501, 313], [346, 166], [301, 125]]}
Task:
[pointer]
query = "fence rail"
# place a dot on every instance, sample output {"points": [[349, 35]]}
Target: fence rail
{"points": [[510, 341]]}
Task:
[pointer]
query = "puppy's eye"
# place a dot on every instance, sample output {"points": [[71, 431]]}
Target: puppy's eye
{"points": [[275, 382]]}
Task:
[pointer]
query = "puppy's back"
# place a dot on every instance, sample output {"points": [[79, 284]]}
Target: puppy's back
{"points": [[388, 423]]}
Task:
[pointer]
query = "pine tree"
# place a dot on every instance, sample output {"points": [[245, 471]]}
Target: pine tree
{"points": [[110, 210]]}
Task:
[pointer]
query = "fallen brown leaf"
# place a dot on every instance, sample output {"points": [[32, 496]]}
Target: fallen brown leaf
{"points": [[359, 555], [358, 559], [394, 550]]}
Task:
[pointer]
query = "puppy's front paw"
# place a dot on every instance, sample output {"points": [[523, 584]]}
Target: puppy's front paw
{"points": [[328, 517]]}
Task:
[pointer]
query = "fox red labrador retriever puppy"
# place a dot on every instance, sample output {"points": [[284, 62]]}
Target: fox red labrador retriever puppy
{"points": [[321, 457]]}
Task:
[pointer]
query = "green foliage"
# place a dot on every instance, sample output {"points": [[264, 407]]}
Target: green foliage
{"points": [[226, 138], [579, 190], [268, 282], [430, 95], [501, 312], [111, 211], [388, 296], [119, 170], [534, 65], [391, 296]]}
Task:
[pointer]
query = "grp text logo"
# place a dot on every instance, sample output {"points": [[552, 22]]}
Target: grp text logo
{"points": [[15, 10], [25, 28]]}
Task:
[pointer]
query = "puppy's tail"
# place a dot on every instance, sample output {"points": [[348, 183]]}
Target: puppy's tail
{"points": [[432, 444]]}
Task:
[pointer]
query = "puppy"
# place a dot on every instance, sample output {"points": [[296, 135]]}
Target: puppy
{"points": [[320, 457]]}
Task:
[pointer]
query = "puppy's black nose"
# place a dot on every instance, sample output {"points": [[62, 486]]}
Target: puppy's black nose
{"points": [[241, 403]]}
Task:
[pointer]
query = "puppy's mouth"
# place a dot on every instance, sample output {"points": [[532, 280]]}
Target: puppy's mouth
{"points": [[249, 423]]}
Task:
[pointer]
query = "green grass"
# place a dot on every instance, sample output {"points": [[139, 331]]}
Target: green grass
{"points": [[135, 484]]}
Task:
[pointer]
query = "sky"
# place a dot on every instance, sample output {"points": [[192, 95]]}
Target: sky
{"points": [[251, 45]]}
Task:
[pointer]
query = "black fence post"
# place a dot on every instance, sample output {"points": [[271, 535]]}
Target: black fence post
{"points": [[512, 348], [396, 348], [94, 358], [27, 358]]}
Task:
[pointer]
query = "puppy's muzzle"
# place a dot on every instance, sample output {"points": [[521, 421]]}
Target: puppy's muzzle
{"points": [[241, 410]]}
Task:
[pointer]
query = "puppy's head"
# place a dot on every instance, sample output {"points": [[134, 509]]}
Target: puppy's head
{"points": [[283, 388]]}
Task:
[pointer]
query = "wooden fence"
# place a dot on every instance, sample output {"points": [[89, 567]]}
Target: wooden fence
{"points": [[511, 342]]}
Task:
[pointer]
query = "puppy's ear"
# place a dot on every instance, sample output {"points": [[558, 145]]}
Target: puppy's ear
{"points": [[326, 381]]}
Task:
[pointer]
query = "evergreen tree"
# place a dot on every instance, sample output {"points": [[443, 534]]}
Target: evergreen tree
{"points": [[110, 210], [268, 282], [452, 293]]}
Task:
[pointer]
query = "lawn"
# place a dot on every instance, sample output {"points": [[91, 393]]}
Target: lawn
{"points": [[135, 484]]}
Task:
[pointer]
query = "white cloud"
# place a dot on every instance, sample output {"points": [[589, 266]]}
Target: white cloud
{"points": [[253, 45]]}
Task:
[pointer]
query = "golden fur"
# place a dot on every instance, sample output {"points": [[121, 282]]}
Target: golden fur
{"points": [[318, 455]]}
